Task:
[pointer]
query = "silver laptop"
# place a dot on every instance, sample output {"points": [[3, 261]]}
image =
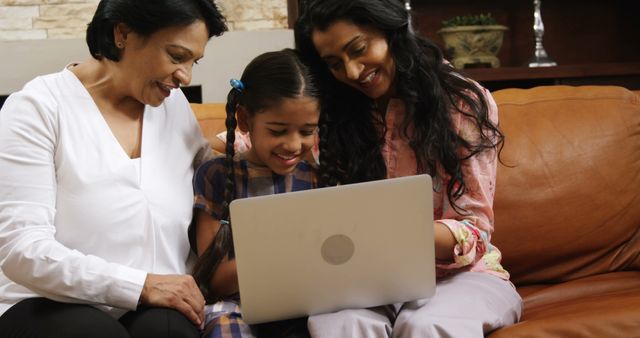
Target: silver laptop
{"points": [[323, 250]]}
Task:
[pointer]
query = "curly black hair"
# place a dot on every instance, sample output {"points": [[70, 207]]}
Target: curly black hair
{"points": [[431, 88]]}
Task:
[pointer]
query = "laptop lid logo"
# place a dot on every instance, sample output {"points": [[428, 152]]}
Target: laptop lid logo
{"points": [[337, 249]]}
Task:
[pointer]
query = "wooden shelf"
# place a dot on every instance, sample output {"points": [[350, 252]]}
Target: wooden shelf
{"points": [[561, 71], [616, 73]]}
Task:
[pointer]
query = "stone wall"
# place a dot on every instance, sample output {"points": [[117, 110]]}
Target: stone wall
{"points": [[60, 19]]}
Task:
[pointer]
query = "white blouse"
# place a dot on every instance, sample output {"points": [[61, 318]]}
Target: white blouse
{"points": [[80, 221]]}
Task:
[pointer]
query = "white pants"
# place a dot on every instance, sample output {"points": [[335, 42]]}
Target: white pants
{"points": [[466, 305]]}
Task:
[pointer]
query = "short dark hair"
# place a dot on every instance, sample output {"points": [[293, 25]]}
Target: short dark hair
{"points": [[146, 17]]}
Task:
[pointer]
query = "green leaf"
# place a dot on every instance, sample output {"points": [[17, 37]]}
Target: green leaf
{"points": [[470, 20]]}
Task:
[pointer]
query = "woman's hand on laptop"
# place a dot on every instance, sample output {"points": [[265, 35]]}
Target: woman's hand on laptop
{"points": [[178, 292]]}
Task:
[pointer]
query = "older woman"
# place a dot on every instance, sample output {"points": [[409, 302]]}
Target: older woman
{"points": [[95, 186]]}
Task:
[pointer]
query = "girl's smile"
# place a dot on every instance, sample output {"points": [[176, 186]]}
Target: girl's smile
{"points": [[282, 135]]}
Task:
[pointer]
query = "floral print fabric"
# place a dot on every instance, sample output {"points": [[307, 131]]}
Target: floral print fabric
{"points": [[473, 228]]}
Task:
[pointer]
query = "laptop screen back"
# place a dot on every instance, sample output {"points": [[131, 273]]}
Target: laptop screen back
{"points": [[322, 250]]}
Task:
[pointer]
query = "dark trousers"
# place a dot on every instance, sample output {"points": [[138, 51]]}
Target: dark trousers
{"points": [[41, 317], [291, 328]]}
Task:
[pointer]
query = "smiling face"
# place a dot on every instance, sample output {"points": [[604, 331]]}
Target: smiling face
{"points": [[282, 135], [358, 56], [161, 62]]}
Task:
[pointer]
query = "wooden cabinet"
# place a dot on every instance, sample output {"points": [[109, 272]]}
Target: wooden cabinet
{"points": [[593, 41]]}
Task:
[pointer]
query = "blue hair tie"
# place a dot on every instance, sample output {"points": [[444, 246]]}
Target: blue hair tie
{"points": [[237, 84]]}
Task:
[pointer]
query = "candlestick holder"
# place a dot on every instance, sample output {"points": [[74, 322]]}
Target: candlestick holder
{"points": [[540, 57]]}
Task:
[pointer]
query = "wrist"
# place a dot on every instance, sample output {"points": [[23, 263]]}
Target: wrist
{"points": [[445, 242]]}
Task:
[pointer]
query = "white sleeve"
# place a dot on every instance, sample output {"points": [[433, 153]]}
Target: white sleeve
{"points": [[30, 254]]}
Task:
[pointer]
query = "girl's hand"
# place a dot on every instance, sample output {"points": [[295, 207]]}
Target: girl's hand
{"points": [[178, 292]]}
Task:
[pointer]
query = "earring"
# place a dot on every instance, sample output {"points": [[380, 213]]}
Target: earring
{"points": [[119, 44]]}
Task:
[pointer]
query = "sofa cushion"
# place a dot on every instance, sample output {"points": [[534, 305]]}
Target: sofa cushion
{"points": [[567, 199], [605, 305]]}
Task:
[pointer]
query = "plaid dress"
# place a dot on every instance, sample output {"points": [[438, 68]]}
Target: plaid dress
{"points": [[224, 318]]}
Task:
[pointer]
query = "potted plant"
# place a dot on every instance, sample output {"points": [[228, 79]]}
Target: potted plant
{"points": [[472, 40]]}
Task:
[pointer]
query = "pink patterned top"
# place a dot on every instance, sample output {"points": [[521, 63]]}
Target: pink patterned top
{"points": [[472, 231]]}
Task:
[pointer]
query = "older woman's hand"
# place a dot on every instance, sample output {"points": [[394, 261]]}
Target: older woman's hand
{"points": [[178, 292]]}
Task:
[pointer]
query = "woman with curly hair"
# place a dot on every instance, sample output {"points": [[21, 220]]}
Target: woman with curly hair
{"points": [[393, 106]]}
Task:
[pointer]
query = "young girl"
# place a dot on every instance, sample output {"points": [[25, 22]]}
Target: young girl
{"points": [[277, 103], [393, 107]]}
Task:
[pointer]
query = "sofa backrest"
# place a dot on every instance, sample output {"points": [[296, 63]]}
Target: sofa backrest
{"points": [[567, 199], [211, 117]]}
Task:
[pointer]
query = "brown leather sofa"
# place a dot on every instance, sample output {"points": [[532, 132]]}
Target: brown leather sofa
{"points": [[567, 207]]}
